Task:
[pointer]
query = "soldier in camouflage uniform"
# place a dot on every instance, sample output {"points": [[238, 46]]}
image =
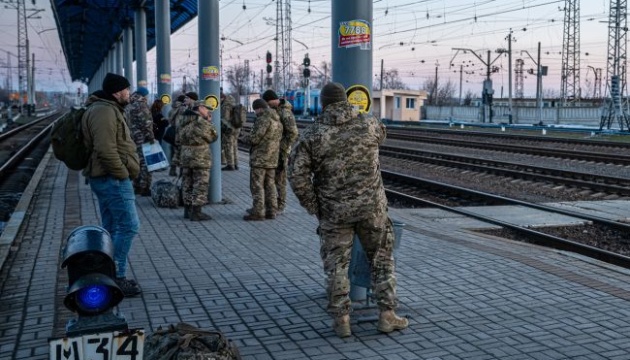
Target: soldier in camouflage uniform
{"points": [[335, 173], [196, 132], [289, 136], [141, 124], [265, 144], [229, 134], [177, 109]]}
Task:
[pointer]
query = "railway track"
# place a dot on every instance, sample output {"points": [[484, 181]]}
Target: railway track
{"points": [[21, 150], [417, 192]]}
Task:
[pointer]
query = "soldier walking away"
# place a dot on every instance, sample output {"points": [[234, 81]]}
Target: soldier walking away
{"points": [[195, 133], [265, 139], [229, 134], [335, 173], [289, 136], [140, 122], [113, 163]]}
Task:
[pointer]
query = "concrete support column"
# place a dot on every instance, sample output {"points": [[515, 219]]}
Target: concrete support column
{"points": [[209, 83], [141, 47], [128, 53], [163, 51], [352, 40], [119, 57]]}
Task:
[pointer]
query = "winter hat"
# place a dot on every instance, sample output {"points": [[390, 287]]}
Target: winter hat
{"points": [[199, 103], [259, 104], [193, 95], [114, 83], [142, 91], [269, 95], [181, 98], [332, 93]]}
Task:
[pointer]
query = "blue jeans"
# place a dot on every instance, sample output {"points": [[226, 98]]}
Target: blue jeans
{"points": [[117, 204]]}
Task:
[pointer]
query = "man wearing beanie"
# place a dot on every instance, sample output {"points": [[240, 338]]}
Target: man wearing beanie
{"points": [[289, 136], [265, 138], [140, 123], [113, 164], [195, 133], [335, 173]]}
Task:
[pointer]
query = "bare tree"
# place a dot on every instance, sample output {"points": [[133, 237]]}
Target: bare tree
{"points": [[391, 80], [443, 94], [468, 98], [321, 75], [237, 78]]}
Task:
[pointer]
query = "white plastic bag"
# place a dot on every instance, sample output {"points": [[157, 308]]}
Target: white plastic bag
{"points": [[154, 156]]}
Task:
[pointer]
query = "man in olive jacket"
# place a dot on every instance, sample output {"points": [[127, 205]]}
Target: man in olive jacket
{"points": [[113, 165]]}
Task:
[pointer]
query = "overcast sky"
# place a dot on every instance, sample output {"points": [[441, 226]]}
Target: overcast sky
{"points": [[427, 29]]}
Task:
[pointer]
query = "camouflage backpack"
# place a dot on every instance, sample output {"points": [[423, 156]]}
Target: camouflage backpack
{"points": [[165, 194], [186, 342], [239, 116]]}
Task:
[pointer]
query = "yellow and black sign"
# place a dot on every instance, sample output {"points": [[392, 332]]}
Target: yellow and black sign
{"points": [[359, 96], [166, 99], [211, 101]]}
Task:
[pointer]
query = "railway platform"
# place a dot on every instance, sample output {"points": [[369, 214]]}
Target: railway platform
{"points": [[467, 295]]}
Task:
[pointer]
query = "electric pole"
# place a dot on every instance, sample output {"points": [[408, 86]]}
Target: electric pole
{"points": [[570, 86], [518, 87], [615, 109]]}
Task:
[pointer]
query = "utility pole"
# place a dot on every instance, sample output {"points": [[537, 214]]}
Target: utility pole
{"points": [[510, 111], [518, 87], [570, 86], [614, 107], [487, 91], [23, 49], [461, 80], [540, 72], [382, 69], [434, 97], [597, 84]]}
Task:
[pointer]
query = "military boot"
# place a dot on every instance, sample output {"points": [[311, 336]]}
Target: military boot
{"points": [[388, 321], [186, 212], [341, 326], [197, 215]]}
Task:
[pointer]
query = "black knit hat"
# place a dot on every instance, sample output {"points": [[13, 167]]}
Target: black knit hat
{"points": [[181, 98], [114, 83], [259, 104], [193, 95], [331, 93], [269, 95]]}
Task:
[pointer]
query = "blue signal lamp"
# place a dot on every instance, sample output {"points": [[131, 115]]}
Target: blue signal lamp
{"points": [[92, 292]]}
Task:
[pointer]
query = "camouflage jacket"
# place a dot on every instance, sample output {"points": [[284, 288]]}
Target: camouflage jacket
{"points": [[140, 120], [289, 128], [227, 105], [265, 138], [334, 170], [177, 108], [195, 135]]}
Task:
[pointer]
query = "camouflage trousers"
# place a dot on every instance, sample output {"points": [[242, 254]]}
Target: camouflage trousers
{"points": [[377, 239], [263, 188], [229, 148], [174, 155], [281, 182], [195, 184], [143, 181]]}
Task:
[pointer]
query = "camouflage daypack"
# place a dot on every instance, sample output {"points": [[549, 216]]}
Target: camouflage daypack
{"points": [[165, 194], [239, 116], [186, 342]]}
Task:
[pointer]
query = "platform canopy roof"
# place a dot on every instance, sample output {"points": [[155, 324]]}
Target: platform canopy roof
{"points": [[89, 28]]}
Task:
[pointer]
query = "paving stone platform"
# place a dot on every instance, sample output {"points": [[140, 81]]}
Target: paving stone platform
{"points": [[468, 295]]}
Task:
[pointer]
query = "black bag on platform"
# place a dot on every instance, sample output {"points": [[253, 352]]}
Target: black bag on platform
{"points": [[184, 341], [169, 135]]}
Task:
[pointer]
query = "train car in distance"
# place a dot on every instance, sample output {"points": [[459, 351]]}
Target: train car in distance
{"points": [[297, 100]]}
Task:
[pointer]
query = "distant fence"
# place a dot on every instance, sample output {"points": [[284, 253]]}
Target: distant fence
{"points": [[521, 115]]}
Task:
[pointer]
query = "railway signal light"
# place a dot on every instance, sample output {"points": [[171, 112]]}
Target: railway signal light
{"points": [[268, 59], [307, 62], [92, 291]]}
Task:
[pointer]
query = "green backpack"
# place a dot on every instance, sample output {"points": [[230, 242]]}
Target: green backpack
{"points": [[186, 342], [67, 140], [239, 116]]}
